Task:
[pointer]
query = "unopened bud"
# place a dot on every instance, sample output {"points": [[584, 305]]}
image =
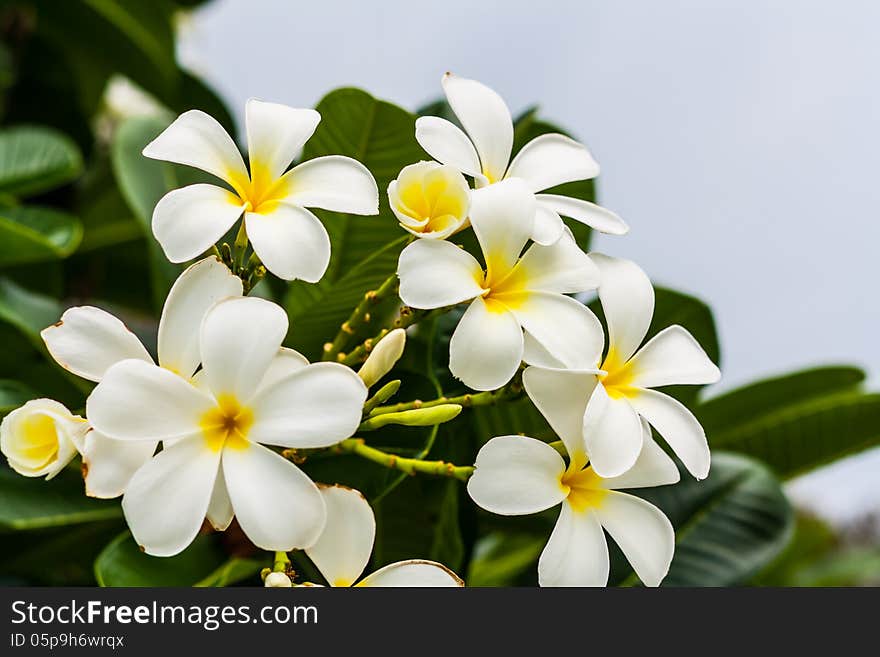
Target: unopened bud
{"points": [[383, 357], [277, 580], [417, 417]]}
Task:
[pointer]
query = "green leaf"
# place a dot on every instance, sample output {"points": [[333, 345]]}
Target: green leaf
{"points": [[13, 394], [27, 311], [30, 503], [34, 234], [34, 159], [500, 558], [203, 563], [728, 526]]}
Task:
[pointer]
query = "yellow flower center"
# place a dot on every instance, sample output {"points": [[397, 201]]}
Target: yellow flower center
{"points": [[227, 424], [585, 489], [619, 377], [434, 196], [39, 441], [261, 191]]}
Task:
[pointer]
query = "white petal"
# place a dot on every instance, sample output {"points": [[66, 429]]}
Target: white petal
{"points": [[534, 353], [291, 241], [276, 504], [561, 267], [613, 434], [679, 428], [140, 401], [550, 160], [517, 475], [166, 500], [548, 225], [561, 396], [446, 143], [276, 133], [315, 406], [628, 301], [197, 140], [108, 464], [343, 550], [412, 573], [652, 468], [564, 327], [220, 512], [335, 183], [487, 346], [240, 337], [88, 340], [187, 221], [643, 533], [594, 216], [672, 357], [286, 361], [195, 290], [576, 554], [503, 216], [485, 118], [434, 274]]}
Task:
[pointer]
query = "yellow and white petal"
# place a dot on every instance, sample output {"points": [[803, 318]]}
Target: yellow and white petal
{"points": [[594, 216], [140, 401], [613, 434], [517, 475], [672, 357], [412, 573], [166, 500], [434, 274], [276, 133], [333, 182], [41, 437], [198, 140], [240, 338], [679, 428], [343, 550], [276, 504], [446, 143], [485, 118], [550, 160], [315, 406], [291, 242], [644, 534], [108, 464], [220, 512], [564, 327], [503, 217], [548, 225], [561, 396], [487, 346], [654, 467], [189, 220], [286, 361], [628, 301], [577, 553], [89, 340], [561, 267], [198, 288]]}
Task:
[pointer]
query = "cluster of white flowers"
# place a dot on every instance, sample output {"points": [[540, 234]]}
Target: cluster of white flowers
{"points": [[224, 391]]}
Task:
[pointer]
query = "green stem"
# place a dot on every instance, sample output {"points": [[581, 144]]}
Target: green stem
{"points": [[282, 562], [241, 244], [408, 317], [382, 395], [360, 317], [512, 390], [407, 465]]}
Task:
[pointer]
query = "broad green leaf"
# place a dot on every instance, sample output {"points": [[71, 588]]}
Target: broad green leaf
{"points": [[33, 234], [728, 526], [31, 503], [13, 394], [500, 558], [27, 311], [34, 159], [203, 563]]}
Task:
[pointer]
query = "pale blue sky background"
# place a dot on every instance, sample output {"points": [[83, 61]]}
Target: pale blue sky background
{"points": [[739, 139]]}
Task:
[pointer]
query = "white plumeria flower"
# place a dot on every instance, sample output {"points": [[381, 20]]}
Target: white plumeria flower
{"points": [[214, 462], [41, 437], [343, 550], [607, 415], [291, 242], [513, 295], [517, 475], [430, 200], [88, 340], [484, 153]]}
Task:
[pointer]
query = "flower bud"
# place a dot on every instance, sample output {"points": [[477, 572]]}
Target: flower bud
{"points": [[41, 437], [430, 199], [383, 357], [416, 417], [277, 580]]}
